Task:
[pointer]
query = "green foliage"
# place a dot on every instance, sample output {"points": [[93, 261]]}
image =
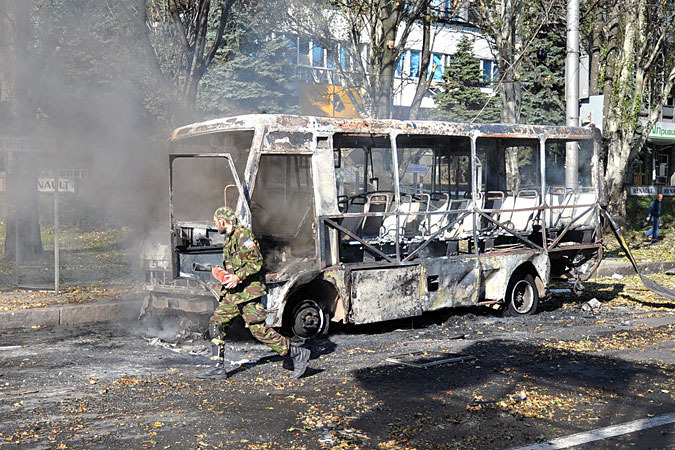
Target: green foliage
{"points": [[257, 76], [461, 98], [251, 70], [544, 74]]}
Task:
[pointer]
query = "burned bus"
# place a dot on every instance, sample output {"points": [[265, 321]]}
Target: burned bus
{"points": [[362, 221]]}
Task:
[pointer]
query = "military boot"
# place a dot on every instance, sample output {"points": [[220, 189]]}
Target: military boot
{"points": [[218, 371], [300, 357]]}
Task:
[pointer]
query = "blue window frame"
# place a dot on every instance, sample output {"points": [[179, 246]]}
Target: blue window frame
{"points": [[437, 60], [330, 59], [414, 63], [317, 56], [344, 58], [489, 69], [401, 64]]}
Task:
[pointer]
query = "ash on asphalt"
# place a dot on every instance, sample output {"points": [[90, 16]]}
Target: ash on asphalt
{"points": [[96, 386]]}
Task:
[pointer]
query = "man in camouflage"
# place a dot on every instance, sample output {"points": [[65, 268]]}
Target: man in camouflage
{"points": [[241, 292]]}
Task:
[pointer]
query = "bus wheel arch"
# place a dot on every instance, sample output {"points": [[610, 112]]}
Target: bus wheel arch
{"points": [[523, 291], [308, 309]]}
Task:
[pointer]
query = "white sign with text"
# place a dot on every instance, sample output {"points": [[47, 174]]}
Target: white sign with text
{"points": [[26, 144], [643, 191], [49, 185]]}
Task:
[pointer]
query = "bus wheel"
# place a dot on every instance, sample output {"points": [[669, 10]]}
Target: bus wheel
{"points": [[521, 296], [308, 320]]}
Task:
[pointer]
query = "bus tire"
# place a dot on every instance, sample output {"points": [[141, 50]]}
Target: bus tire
{"points": [[522, 298], [308, 319]]}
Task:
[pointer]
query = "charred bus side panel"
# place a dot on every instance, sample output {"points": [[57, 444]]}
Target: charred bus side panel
{"points": [[364, 221]]}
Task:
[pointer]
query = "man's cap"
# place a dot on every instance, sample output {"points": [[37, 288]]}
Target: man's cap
{"points": [[225, 213]]}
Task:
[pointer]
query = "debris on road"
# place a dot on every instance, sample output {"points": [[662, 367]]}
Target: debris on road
{"points": [[10, 347], [560, 291], [592, 305], [428, 359]]}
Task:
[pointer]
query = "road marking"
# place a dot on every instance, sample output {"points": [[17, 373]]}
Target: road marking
{"points": [[602, 433]]}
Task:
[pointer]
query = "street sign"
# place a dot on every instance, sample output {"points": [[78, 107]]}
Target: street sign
{"points": [[49, 185], [26, 144], [417, 168], [643, 191]]}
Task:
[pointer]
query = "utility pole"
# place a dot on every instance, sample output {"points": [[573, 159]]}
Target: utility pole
{"points": [[572, 93]]}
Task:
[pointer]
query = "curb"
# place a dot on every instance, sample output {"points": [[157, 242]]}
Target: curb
{"points": [[71, 314], [129, 309], [609, 268]]}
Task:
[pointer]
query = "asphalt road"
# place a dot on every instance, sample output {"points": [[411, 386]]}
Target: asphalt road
{"points": [[512, 382]]}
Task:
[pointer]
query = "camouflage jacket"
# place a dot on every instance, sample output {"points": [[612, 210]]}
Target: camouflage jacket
{"points": [[242, 257]]}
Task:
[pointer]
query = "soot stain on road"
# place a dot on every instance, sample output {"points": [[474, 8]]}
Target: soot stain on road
{"points": [[534, 378]]}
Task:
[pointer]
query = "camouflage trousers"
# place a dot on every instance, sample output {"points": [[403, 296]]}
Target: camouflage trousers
{"points": [[253, 313]]}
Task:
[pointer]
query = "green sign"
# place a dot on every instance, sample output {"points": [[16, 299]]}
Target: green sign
{"points": [[659, 132]]}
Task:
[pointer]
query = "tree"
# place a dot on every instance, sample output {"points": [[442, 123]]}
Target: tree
{"points": [[639, 74], [186, 36], [17, 114], [255, 71], [543, 75], [101, 95], [512, 25], [461, 98]]}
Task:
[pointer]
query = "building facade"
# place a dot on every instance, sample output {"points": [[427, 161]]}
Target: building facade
{"points": [[323, 68]]}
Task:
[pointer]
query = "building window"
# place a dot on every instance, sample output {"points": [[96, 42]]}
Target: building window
{"points": [[401, 64], [345, 60], [662, 167], [437, 66], [414, 63], [490, 69], [303, 51], [318, 58]]}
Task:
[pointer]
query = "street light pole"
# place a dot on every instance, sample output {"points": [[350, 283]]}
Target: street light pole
{"points": [[572, 92]]}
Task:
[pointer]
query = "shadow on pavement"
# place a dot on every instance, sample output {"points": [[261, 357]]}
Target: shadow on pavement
{"points": [[513, 393]]}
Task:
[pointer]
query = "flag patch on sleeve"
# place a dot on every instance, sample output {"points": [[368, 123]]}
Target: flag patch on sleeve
{"points": [[248, 243]]}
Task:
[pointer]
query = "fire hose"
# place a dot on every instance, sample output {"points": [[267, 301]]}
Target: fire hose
{"points": [[649, 284]]}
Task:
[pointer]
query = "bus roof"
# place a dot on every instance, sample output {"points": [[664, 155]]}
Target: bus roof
{"points": [[330, 125]]}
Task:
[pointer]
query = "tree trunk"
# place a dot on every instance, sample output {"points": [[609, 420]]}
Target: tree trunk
{"points": [[622, 117], [17, 120], [23, 210], [384, 75], [425, 75], [508, 44], [196, 66], [594, 63]]}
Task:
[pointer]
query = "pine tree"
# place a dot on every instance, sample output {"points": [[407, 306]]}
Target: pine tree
{"points": [[461, 98], [543, 79], [253, 72]]}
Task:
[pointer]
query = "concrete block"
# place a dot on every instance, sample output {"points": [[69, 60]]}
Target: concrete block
{"points": [[196, 305], [27, 318], [99, 312]]}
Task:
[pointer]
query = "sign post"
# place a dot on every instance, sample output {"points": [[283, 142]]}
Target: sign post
{"points": [[57, 269]]}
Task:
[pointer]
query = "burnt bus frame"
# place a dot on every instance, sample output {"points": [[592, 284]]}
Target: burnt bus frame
{"points": [[327, 265]]}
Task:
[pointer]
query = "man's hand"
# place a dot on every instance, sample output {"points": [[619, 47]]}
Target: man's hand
{"points": [[227, 280], [648, 218], [231, 282], [220, 274]]}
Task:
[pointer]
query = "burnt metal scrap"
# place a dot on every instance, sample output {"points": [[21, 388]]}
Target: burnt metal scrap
{"points": [[423, 359], [369, 220], [297, 125], [649, 284]]}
